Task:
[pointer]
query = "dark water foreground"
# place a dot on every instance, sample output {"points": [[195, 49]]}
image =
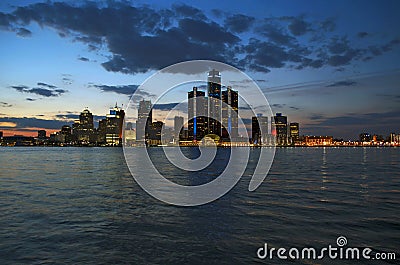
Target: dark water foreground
{"points": [[81, 206]]}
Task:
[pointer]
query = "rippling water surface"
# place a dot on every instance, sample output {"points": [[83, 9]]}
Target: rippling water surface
{"points": [[81, 205]]}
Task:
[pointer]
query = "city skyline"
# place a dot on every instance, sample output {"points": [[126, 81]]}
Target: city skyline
{"points": [[214, 111], [334, 72], [275, 130]]}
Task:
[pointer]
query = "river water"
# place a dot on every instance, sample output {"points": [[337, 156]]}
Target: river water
{"points": [[82, 206]]}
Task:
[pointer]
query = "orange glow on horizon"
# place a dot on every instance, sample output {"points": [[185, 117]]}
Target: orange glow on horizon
{"points": [[8, 124], [32, 132]]}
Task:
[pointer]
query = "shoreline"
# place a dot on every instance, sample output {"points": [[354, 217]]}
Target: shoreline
{"points": [[186, 146]]}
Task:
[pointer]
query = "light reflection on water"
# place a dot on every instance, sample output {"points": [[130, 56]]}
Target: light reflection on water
{"points": [[80, 205]]}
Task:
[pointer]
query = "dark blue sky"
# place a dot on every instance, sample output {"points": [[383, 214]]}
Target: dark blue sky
{"points": [[333, 66]]}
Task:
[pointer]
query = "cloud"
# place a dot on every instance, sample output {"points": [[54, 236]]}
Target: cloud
{"points": [[20, 88], [165, 106], [67, 116], [46, 85], [31, 99], [206, 32], [44, 90], [343, 83], [278, 106], [32, 123], [276, 33], [122, 89], [5, 105], [390, 45], [328, 24], [299, 27], [83, 59], [188, 11], [264, 55], [339, 46], [395, 98], [350, 125], [23, 32], [362, 34], [317, 117], [6, 20], [239, 23], [369, 120], [142, 38], [5, 124], [139, 38], [66, 79]]}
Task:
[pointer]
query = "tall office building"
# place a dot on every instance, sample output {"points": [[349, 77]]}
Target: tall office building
{"points": [[197, 114], [155, 131], [83, 128], [145, 118], [230, 108], [259, 130], [365, 137], [114, 126], [255, 131], [214, 102], [41, 134], [281, 126], [101, 131], [67, 132], [294, 132], [178, 128], [86, 120]]}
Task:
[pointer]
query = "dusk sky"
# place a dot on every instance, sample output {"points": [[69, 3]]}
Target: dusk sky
{"points": [[332, 66]]}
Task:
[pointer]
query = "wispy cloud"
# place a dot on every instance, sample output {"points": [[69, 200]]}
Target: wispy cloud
{"points": [[25, 122], [119, 89], [5, 105], [83, 59], [42, 89], [342, 83], [23, 32]]}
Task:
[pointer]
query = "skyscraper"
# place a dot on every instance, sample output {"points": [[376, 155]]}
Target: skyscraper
{"points": [[41, 134], [83, 128], [67, 132], [101, 131], [255, 131], [178, 128], [155, 132], [86, 120], [259, 130], [114, 126], [365, 137], [230, 109], [145, 118], [280, 123], [214, 102], [294, 132], [197, 114]]}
